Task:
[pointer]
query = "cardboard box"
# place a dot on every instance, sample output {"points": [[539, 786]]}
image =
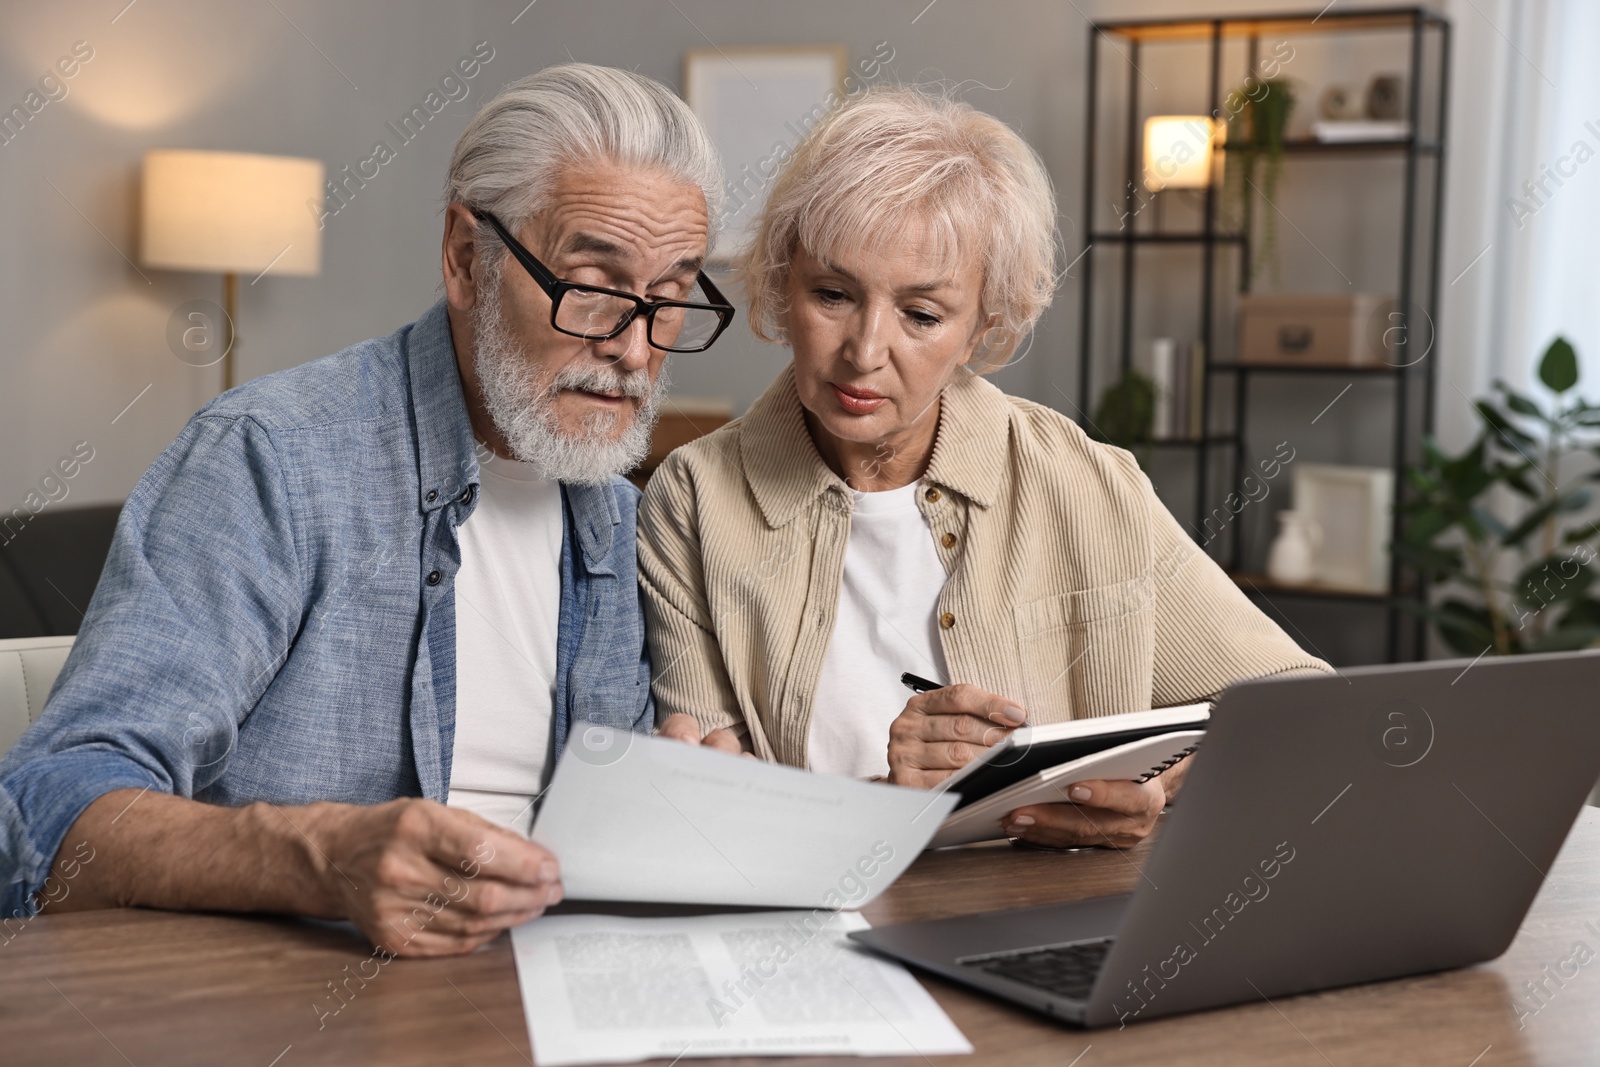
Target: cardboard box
{"points": [[1314, 329]]}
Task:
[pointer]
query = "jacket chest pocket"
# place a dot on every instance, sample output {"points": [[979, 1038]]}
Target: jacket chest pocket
{"points": [[1087, 652]]}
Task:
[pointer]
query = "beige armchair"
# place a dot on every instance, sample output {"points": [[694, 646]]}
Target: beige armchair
{"points": [[28, 668]]}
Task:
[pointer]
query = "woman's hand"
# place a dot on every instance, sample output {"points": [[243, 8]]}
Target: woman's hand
{"points": [[680, 726], [941, 731], [1118, 814]]}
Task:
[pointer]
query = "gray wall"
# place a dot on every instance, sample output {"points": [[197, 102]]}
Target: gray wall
{"points": [[85, 331]]}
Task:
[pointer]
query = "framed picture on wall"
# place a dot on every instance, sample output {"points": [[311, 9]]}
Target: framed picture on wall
{"points": [[1350, 507], [757, 103]]}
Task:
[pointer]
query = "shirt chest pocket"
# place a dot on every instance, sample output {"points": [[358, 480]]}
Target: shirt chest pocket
{"points": [[1087, 652]]}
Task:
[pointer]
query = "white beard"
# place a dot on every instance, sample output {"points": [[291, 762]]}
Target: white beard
{"points": [[522, 407]]}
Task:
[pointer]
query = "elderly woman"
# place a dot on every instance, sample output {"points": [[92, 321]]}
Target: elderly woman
{"points": [[883, 508]]}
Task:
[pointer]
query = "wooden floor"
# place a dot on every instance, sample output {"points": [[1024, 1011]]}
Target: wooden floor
{"points": [[155, 989]]}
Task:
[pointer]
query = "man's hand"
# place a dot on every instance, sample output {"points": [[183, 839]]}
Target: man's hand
{"points": [[416, 877], [680, 726], [1118, 814], [943, 730], [422, 879]]}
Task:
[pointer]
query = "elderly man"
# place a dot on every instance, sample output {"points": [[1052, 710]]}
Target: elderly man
{"points": [[337, 648]]}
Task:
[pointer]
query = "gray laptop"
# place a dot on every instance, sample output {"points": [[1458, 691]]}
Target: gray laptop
{"points": [[1382, 822]]}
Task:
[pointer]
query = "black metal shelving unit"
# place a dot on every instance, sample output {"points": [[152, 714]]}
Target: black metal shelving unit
{"points": [[1413, 383]]}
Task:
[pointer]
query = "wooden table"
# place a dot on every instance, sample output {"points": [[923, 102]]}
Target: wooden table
{"points": [[154, 988]]}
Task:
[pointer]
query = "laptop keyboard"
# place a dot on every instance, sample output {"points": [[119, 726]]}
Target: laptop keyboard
{"points": [[1067, 970]]}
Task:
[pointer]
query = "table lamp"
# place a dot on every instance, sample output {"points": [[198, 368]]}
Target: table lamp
{"points": [[230, 213]]}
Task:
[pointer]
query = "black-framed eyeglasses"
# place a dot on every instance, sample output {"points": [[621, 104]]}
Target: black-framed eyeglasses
{"points": [[597, 314]]}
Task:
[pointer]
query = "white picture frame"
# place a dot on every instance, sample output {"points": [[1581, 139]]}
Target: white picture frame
{"points": [[1351, 507], [756, 103]]}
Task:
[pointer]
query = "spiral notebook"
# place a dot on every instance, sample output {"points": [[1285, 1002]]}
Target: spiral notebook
{"points": [[1035, 765]]}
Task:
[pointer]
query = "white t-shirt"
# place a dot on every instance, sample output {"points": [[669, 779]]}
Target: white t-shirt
{"points": [[887, 623], [508, 607]]}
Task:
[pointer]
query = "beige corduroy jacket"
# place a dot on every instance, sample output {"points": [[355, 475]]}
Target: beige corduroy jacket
{"points": [[1071, 589]]}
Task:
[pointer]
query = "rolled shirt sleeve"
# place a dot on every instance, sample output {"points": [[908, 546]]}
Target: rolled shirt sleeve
{"points": [[200, 600]]}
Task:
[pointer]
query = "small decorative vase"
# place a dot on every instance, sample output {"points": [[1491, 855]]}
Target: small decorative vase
{"points": [[1292, 558]]}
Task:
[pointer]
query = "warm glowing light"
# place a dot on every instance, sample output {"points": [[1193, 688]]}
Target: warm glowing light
{"points": [[1177, 151], [231, 212]]}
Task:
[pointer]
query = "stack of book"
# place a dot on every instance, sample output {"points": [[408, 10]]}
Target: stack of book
{"points": [[1178, 372]]}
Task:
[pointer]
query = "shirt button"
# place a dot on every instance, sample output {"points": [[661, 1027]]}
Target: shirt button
{"points": [[947, 620], [931, 495], [466, 495], [433, 494], [434, 578], [948, 540]]}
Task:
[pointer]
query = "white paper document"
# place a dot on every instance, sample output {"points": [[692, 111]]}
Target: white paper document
{"points": [[640, 818], [602, 989]]}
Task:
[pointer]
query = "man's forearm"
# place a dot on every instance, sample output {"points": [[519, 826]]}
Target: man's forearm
{"points": [[156, 850]]}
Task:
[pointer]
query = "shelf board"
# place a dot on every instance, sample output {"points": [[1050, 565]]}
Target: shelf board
{"points": [[1315, 147], [1324, 21], [1304, 368], [1192, 442], [1165, 238], [1252, 582]]}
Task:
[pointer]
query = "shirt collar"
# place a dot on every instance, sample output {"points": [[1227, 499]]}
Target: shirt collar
{"points": [[786, 473], [447, 460], [447, 455]]}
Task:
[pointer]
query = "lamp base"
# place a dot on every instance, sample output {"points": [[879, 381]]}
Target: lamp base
{"points": [[230, 308]]}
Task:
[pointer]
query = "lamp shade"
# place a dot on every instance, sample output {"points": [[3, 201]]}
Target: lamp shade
{"points": [[1177, 152], [230, 212]]}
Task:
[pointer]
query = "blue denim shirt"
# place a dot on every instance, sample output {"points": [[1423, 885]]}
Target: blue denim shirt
{"points": [[276, 618]]}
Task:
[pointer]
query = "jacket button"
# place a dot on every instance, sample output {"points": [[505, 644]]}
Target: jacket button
{"points": [[931, 495], [434, 578], [948, 540], [433, 494], [947, 620]]}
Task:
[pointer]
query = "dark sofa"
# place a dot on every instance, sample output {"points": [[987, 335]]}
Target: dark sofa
{"points": [[49, 568]]}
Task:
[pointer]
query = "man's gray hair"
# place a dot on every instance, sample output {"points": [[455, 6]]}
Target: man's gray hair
{"points": [[517, 144]]}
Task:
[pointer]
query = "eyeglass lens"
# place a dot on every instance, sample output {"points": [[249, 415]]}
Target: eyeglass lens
{"points": [[590, 314]]}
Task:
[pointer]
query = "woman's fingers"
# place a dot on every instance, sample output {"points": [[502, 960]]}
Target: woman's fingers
{"points": [[1118, 814], [723, 740], [680, 726], [943, 730], [966, 699], [1119, 797]]}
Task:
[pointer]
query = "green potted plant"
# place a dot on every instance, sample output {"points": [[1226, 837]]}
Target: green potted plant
{"points": [[1125, 415], [1255, 138], [1498, 534]]}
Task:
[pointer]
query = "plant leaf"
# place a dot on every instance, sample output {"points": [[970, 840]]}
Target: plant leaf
{"points": [[1523, 406], [1585, 612], [1464, 627], [1516, 478], [1501, 425], [1559, 367], [1572, 500], [1553, 580]]}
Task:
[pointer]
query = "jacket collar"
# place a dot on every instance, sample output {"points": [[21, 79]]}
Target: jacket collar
{"points": [[786, 473], [595, 517]]}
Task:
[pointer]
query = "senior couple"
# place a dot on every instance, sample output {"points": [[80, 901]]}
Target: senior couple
{"points": [[354, 613]]}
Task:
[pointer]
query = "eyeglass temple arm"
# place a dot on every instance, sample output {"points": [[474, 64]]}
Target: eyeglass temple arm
{"points": [[533, 266], [713, 292]]}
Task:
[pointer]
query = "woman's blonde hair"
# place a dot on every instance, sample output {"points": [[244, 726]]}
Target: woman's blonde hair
{"points": [[896, 158]]}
